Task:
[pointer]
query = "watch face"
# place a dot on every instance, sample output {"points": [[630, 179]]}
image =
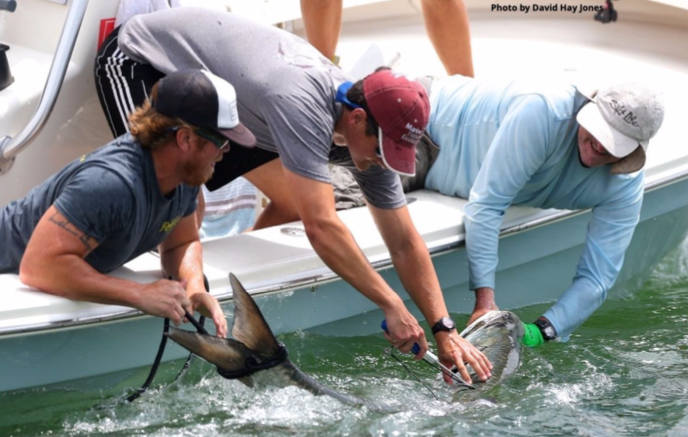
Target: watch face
{"points": [[448, 323], [548, 331], [445, 324]]}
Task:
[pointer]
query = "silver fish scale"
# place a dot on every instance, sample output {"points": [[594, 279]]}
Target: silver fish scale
{"points": [[498, 334]]}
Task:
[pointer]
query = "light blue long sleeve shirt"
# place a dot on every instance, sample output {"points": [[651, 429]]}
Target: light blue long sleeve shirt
{"points": [[516, 143]]}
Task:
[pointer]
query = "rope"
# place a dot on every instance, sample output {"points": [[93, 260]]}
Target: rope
{"points": [[390, 352], [154, 368], [161, 349]]}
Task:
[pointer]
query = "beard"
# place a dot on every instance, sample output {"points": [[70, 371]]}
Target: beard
{"points": [[196, 173]]}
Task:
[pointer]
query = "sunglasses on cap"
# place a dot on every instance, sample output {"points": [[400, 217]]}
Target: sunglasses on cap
{"points": [[218, 140]]}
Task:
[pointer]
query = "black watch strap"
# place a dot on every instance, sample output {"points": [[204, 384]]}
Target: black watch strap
{"points": [[546, 328], [445, 324]]}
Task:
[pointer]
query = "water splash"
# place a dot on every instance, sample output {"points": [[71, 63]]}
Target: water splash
{"points": [[623, 370]]}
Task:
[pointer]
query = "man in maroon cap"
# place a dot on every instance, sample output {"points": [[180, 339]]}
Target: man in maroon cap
{"points": [[297, 104]]}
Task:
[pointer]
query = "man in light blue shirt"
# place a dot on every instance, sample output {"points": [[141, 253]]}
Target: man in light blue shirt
{"points": [[544, 145]]}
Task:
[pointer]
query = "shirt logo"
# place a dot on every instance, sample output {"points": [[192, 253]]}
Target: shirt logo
{"points": [[168, 226], [299, 53]]}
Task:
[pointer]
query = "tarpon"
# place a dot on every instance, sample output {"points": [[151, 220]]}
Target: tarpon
{"points": [[497, 334], [254, 349]]}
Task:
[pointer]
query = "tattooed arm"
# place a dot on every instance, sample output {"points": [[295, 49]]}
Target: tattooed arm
{"points": [[54, 263]]}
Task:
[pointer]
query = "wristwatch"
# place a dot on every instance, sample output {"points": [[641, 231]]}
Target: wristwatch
{"points": [[546, 328], [444, 324]]}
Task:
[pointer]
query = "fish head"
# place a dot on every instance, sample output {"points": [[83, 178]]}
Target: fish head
{"points": [[498, 335]]}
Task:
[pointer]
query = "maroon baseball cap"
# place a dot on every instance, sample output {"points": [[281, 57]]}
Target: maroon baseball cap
{"points": [[401, 108]]}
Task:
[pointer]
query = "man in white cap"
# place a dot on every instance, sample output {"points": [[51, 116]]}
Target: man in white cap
{"points": [[126, 198], [545, 145]]}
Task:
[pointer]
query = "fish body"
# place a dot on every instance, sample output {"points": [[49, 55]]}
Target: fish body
{"points": [[255, 350], [499, 335]]}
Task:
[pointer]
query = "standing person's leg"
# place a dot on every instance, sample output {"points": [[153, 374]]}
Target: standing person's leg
{"points": [[447, 25], [269, 178], [121, 83], [323, 21]]}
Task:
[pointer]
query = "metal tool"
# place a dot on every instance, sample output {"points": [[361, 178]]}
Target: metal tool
{"points": [[433, 361]]}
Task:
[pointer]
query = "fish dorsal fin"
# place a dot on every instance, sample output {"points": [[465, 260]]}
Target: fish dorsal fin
{"points": [[250, 327]]}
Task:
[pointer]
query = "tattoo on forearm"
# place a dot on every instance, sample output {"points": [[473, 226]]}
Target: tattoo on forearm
{"points": [[62, 222]]}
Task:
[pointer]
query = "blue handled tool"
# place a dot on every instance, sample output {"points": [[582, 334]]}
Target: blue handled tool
{"points": [[432, 359]]}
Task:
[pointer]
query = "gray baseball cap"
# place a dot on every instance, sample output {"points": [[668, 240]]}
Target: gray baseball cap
{"points": [[623, 118]]}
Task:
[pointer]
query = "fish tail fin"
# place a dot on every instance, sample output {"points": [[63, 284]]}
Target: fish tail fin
{"points": [[230, 356], [250, 327]]}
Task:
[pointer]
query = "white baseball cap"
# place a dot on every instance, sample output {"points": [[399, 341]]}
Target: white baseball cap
{"points": [[623, 118]]}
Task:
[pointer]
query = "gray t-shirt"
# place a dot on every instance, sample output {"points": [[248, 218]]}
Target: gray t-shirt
{"points": [[111, 195], [285, 87]]}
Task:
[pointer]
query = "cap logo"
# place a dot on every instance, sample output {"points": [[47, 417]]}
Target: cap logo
{"points": [[233, 115], [227, 116], [413, 135], [620, 110]]}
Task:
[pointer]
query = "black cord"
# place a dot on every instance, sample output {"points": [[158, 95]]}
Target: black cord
{"points": [[199, 327], [161, 349], [154, 368]]}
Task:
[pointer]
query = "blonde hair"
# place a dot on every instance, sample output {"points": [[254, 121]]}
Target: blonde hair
{"points": [[150, 128]]}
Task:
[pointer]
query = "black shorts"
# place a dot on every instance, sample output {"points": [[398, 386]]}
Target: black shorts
{"points": [[124, 84], [237, 162]]}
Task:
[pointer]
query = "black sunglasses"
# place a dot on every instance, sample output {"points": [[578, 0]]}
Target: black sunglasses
{"points": [[215, 138], [218, 140]]}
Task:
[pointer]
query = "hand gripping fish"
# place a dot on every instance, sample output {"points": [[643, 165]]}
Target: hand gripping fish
{"points": [[254, 349]]}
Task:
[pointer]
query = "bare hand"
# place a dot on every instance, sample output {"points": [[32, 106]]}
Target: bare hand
{"points": [[404, 331], [164, 298], [484, 303], [477, 313], [455, 350], [210, 307]]}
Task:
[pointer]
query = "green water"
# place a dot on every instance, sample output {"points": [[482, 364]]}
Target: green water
{"points": [[623, 373]]}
